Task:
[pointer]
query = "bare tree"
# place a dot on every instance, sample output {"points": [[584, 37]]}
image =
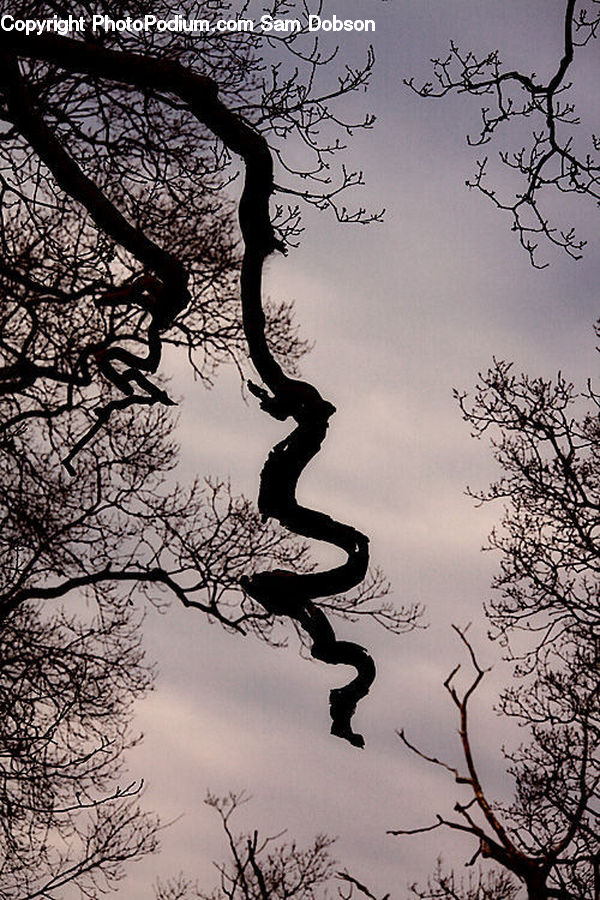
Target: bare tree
{"points": [[117, 147], [547, 837], [117, 153], [554, 154], [442, 885], [545, 614], [67, 685], [120, 526], [545, 842], [108, 541], [258, 868], [263, 868], [545, 437]]}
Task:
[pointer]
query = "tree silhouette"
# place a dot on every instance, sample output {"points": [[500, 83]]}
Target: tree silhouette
{"points": [[199, 110], [67, 685], [545, 614], [547, 837], [443, 885], [258, 868], [554, 155], [117, 159], [544, 434], [107, 542], [545, 840]]}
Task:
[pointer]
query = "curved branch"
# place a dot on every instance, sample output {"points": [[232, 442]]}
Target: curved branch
{"points": [[281, 593]]}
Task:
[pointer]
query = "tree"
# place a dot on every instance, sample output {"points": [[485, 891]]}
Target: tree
{"points": [[545, 840], [547, 837], [199, 110], [554, 157], [67, 686], [484, 886], [545, 614], [118, 240], [108, 542], [544, 611], [545, 437], [258, 868]]}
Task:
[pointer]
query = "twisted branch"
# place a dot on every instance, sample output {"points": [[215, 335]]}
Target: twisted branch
{"points": [[279, 592]]}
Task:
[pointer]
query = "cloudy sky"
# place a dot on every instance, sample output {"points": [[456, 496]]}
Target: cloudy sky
{"points": [[400, 314]]}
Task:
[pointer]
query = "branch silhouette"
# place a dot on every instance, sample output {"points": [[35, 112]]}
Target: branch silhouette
{"points": [[553, 157], [280, 592]]}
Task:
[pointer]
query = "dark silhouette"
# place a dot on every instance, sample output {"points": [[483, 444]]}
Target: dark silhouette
{"points": [[118, 241], [545, 615], [162, 292], [556, 156], [545, 438], [443, 885], [547, 837], [259, 868], [68, 815], [543, 842]]}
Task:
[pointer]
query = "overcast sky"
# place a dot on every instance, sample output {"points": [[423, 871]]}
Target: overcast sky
{"points": [[400, 314]]}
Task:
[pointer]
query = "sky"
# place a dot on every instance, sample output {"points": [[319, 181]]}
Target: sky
{"points": [[401, 313]]}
